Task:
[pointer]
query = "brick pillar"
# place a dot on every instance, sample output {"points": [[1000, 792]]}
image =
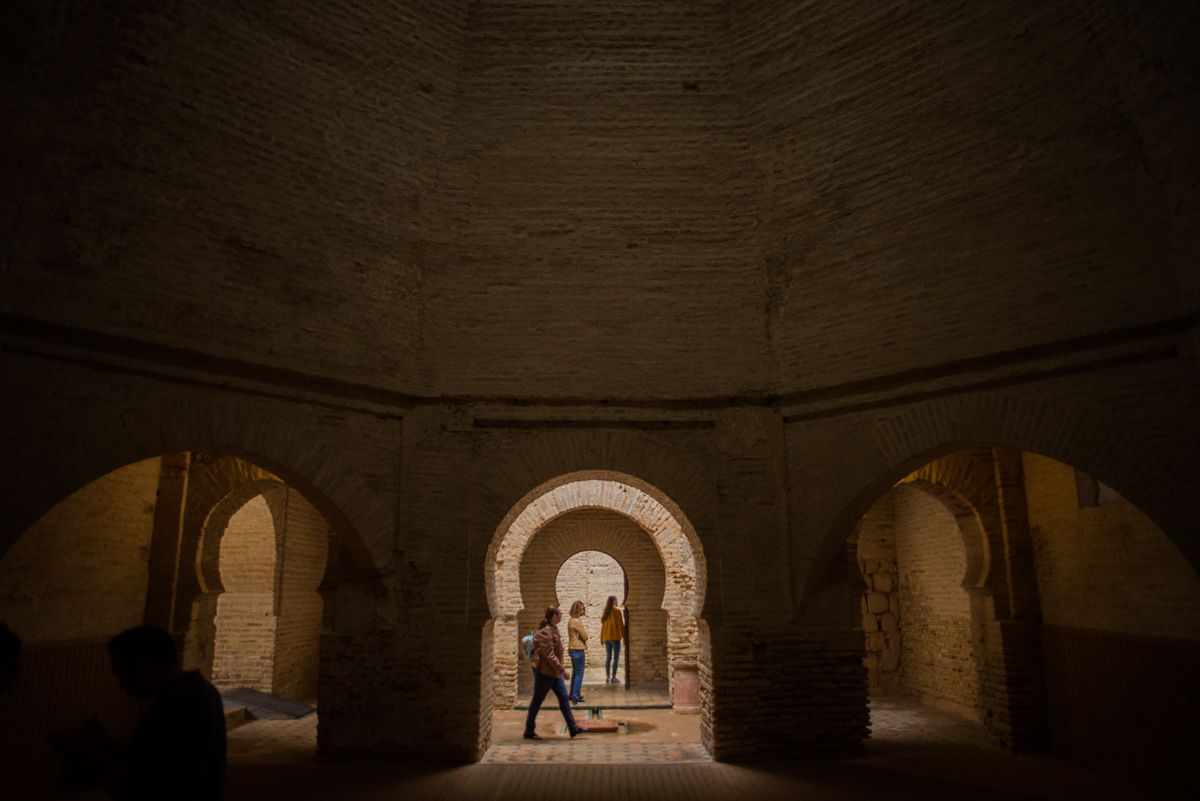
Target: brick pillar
{"points": [[165, 539], [787, 695], [1013, 688], [776, 689], [401, 653]]}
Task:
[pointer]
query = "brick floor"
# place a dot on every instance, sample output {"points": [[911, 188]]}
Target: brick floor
{"points": [[916, 752], [618, 695]]}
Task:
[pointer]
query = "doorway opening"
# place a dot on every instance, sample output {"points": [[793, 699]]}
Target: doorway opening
{"points": [[627, 540]]}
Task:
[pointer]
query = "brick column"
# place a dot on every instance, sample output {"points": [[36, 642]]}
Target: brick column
{"points": [[1013, 688], [776, 689], [166, 538], [786, 695]]}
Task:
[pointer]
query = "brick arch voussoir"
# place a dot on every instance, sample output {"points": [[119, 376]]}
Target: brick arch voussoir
{"points": [[617, 546], [979, 541], [905, 441], [214, 526], [71, 456], [656, 513]]}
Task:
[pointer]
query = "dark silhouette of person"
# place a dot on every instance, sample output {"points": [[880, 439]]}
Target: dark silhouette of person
{"points": [[178, 748], [10, 658]]}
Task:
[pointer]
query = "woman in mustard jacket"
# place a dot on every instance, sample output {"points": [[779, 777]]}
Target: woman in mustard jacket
{"points": [[612, 631]]}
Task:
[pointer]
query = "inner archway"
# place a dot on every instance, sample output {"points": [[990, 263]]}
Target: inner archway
{"points": [[587, 555], [918, 552], [1015, 591], [591, 577], [661, 525], [216, 549], [270, 556], [244, 646]]}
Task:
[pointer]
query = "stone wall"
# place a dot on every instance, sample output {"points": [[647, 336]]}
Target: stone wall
{"points": [[874, 553], [81, 570]]}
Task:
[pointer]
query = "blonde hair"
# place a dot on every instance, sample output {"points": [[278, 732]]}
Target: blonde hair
{"points": [[577, 609]]}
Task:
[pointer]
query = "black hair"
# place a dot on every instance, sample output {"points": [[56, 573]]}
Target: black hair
{"points": [[145, 644]]}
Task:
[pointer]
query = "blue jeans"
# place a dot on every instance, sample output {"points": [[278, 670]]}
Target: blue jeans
{"points": [[578, 660], [543, 684], [612, 658]]}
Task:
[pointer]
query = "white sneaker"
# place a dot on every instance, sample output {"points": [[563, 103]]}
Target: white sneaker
{"points": [[616, 680]]}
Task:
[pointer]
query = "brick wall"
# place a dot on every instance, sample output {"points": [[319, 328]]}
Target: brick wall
{"points": [[244, 649], [311, 121], [1105, 567], [937, 662], [1122, 631], [80, 571], [598, 154], [886, 182], [304, 545]]}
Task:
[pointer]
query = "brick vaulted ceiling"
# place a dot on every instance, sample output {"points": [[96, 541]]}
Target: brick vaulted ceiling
{"points": [[623, 199]]}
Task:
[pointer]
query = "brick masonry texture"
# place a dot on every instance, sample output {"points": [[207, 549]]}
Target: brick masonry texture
{"points": [[81, 571], [761, 260], [244, 651], [268, 620], [874, 552], [937, 658], [303, 552], [539, 534], [1074, 546], [636, 180], [629, 549]]}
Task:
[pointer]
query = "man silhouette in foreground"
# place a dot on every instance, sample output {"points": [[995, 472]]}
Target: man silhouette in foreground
{"points": [[178, 749]]}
